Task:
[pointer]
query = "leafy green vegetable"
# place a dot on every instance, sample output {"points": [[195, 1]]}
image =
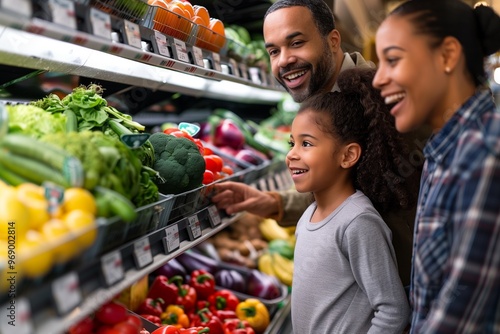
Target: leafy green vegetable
{"points": [[34, 121]]}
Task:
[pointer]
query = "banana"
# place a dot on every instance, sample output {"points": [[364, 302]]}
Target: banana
{"points": [[283, 268], [270, 230], [265, 264]]}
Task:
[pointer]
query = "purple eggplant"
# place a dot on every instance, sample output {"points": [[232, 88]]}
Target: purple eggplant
{"points": [[194, 261], [230, 279], [262, 285], [171, 269]]}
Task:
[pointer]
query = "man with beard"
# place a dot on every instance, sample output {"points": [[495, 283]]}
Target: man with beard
{"points": [[306, 59]]}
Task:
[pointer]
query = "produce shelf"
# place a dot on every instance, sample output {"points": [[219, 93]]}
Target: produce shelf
{"points": [[39, 44]]}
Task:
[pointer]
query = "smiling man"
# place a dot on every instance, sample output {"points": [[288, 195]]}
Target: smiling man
{"points": [[304, 47]]}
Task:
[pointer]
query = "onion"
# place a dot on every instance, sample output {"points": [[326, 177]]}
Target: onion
{"points": [[227, 133]]}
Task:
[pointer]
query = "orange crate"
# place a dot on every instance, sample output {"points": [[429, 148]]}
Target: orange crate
{"points": [[169, 23]]}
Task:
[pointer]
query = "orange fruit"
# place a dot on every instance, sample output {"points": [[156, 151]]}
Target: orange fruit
{"points": [[203, 13], [218, 38]]}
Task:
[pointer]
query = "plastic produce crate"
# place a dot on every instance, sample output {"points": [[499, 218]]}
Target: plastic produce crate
{"points": [[169, 23], [207, 39], [131, 10]]}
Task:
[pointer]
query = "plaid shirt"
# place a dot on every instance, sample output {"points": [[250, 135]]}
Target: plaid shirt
{"points": [[456, 256]]}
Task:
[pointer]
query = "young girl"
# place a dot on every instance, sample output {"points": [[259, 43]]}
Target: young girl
{"points": [[431, 72], [344, 149]]}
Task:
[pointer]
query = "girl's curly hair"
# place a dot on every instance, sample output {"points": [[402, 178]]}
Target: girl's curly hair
{"points": [[358, 114]]}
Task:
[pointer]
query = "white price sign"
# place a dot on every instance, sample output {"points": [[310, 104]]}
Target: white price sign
{"points": [[181, 50], [262, 184], [16, 317], [133, 33], [66, 292], [162, 43], [112, 267], [22, 7], [198, 56], [63, 13], [142, 253], [101, 23], [172, 240], [194, 227], [214, 216], [234, 67]]}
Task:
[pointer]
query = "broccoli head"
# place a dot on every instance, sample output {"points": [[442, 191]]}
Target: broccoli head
{"points": [[178, 161]]}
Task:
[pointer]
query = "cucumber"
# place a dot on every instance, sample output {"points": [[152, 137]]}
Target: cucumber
{"points": [[37, 150], [11, 177], [71, 121], [116, 203], [32, 170]]}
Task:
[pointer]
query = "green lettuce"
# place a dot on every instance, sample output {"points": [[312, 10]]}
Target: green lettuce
{"points": [[34, 121]]}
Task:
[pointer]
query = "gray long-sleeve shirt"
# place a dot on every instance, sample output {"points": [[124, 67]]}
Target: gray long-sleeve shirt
{"points": [[346, 278]]}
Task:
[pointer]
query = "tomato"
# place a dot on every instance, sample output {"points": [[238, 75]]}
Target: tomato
{"points": [[84, 326], [218, 160], [111, 313], [227, 170], [213, 162], [126, 328], [134, 320], [180, 134], [199, 143], [207, 151], [208, 177]]}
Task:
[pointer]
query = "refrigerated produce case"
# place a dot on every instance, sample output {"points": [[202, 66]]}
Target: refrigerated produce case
{"points": [[71, 41]]}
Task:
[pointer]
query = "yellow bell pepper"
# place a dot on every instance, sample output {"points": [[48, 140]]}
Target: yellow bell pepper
{"points": [[174, 315], [255, 312]]}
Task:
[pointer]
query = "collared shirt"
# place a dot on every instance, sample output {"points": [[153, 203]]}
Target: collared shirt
{"points": [[456, 263]]}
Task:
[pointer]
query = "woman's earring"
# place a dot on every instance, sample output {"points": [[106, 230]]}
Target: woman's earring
{"points": [[447, 70]]}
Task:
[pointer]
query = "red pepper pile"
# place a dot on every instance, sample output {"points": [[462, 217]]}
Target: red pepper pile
{"points": [[195, 306]]}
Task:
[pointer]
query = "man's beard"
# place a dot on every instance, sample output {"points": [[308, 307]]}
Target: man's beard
{"points": [[319, 76]]}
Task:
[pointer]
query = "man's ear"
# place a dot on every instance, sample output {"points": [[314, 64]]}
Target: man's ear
{"points": [[334, 39], [351, 155], [451, 51]]}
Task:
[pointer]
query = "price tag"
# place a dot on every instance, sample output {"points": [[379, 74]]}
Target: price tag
{"points": [[133, 33], [181, 50], [22, 7], [244, 71], [234, 67], [271, 184], [171, 241], [135, 140], [214, 216], [194, 227], [73, 171], [54, 195], [255, 75], [198, 56], [262, 184], [112, 268], [162, 43], [100, 22], [63, 13], [142, 253], [66, 292], [16, 317], [216, 61]]}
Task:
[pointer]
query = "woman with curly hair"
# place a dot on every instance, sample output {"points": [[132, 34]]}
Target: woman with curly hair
{"points": [[343, 144]]}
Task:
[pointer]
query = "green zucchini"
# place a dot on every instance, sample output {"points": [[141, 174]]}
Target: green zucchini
{"points": [[71, 121], [32, 170], [11, 177]]}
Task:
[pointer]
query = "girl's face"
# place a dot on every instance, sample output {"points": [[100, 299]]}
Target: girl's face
{"points": [[410, 75], [315, 156]]}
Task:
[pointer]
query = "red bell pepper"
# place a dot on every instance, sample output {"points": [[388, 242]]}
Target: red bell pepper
{"points": [[203, 282], [186, 294], [237, 326], [224, 314], [151, 306], [163, 288], [194, 330], [169, 329], [223, 300], [152, 318], [205, 318]]}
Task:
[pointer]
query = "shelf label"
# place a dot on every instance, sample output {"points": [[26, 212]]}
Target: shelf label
{"points": [[16, 317], [262, 184], [112, 268], [244, 71], [101, 23], [194, 227], [135, 140], [22, 7], [234, 67], [54, 195], [172, 241], [63, 13], [142, 253], [216, 61], [133, 33], [66, 292], [255, 75], [162, 43], [181, 50], [271, 185], [279, 181], [214, 216], [198, 56]]}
